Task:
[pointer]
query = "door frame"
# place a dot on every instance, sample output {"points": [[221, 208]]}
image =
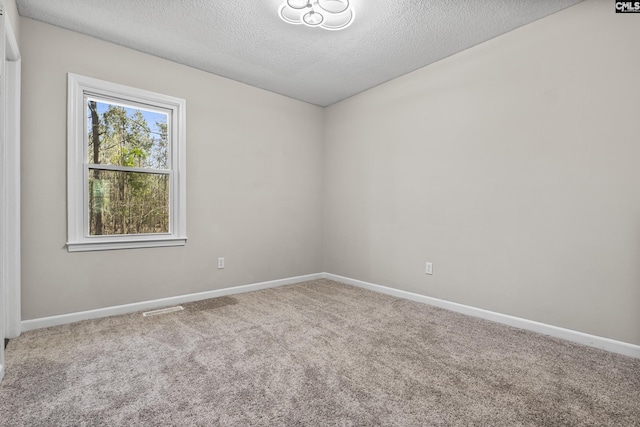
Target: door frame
{"points": [[10, 70]]}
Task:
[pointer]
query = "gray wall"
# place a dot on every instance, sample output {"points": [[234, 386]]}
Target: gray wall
{"points": [[513, 166], [253, 176]]}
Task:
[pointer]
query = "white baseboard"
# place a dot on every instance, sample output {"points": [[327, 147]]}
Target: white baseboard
{"points": [[607, 344], [45, 322]]}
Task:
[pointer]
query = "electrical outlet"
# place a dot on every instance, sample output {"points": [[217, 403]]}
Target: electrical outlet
{"points": [[429, 268], [220, 262]]}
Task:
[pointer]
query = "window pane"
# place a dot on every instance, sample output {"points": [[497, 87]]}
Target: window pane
{"points": [[128, 202], [126, 136]]}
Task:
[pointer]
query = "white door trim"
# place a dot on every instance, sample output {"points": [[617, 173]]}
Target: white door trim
{"points": [[11, 167], [9, 184], [3, 201]]}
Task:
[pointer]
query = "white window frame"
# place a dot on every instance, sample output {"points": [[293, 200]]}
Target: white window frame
{"points": [[78, 238]]}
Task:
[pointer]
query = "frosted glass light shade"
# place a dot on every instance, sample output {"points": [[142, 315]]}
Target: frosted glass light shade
{"points": [[334, 6], [339, 21], [312, 18], [290, 15], [297, 4], [328, 14]]}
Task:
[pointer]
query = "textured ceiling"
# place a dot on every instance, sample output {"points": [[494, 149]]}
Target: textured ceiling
{"points": [[248, 42]]}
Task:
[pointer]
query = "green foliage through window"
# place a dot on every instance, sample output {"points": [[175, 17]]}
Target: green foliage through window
{"points": [[123, 201]]}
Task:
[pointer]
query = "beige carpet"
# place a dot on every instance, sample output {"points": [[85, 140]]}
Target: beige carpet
{"points": [[313, 354]]}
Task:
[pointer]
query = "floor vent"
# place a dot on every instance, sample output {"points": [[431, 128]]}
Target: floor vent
{"points": [[163, 311]]}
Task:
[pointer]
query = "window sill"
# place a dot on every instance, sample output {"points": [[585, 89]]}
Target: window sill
{"points": [[125, 244]]}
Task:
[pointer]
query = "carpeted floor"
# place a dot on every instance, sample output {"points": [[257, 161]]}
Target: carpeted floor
{"points": [[313, 354]]}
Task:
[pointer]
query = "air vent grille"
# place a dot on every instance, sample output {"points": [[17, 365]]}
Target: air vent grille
{"points": [[162, 311]]}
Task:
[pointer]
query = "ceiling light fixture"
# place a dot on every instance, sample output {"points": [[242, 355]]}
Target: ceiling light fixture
{"points": [[328, 14]]}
